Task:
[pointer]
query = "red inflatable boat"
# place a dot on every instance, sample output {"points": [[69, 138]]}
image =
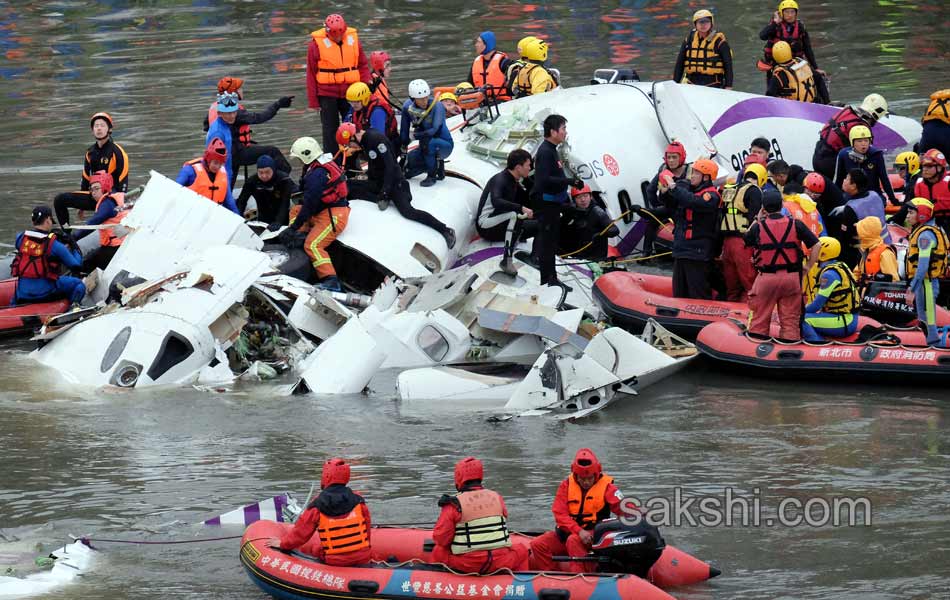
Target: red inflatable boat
{"points": [[25, 318], [900, 353], [402, 573]]}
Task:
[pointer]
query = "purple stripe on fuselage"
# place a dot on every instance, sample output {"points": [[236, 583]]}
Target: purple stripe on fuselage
{"points": [[479, 256], [776, 108], [252, 514], [279, 503], [214, 521]]}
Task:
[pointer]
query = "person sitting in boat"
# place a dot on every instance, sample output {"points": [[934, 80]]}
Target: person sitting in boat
{"points": [[861, 203], [208, 177], [934, 185], [831, 309], [533, 77], [103, 155], [824, 193], [878, 258], [836, 133], [489, 68], [741, 203], [924, 264], [471, 534], [585, 498], [936, 124], [777, 240], [695, 229], [705, 57], [585, 223], [660, 207], [907, 166], [423, 119], [791, 78], [862, 155], [271, 190], [385, 181], [40, 257], [372, 110], [340, 518], [110, 210], [503, 211]]}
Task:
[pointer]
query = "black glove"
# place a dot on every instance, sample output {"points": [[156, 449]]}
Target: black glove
{"points": [[446, 499], [285, 101], [274, 226], [637, 209], [286, 236], [66, 238], [577, 183]]}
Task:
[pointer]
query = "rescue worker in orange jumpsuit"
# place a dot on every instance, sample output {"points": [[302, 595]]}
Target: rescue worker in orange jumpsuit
{"points": [[490, 67], [208, 177], [335, 60], [471, 535], [324, 208], [103, 155], [585, 498], [340, 518], [110, 210]]}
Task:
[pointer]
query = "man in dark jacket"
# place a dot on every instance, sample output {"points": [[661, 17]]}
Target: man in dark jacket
{"points": [[586, 227], [695, 231], [503, 212], [271, 190]]}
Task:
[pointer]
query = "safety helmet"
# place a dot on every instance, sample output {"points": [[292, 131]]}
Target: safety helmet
{"points": [[787, 4], [345, 133], [934, 156], [418, 88], [463, 88], [335, 470], [468, 469], [702, 14], [230, 84], [378, 60], [875, 105], [706, 167], [227, 102], [523, 43], [584, 190], [448, 96], [104, 116], [814, 182], [104, 179], [536, 50], [306, 149], [859, 132], [585, 464], [675, 147], [908, 159], [760, 173], [923, 206], [782, 52], [830, 248], [359, 92], [216, 150], [335, 24]]}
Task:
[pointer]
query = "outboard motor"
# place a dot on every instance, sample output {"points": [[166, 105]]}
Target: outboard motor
{"points": [[627, 548], [622, 75]]}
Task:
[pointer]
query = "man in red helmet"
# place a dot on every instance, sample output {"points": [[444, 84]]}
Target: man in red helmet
{"points": [[110, 210], [382, 67], [585, 498], [934, 185], [660, 205], [103, 155], [339, 517], [335, 59], [208, 177], [471, 535]]}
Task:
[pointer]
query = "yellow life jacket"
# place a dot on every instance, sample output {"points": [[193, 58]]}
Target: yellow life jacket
{"points": [[483, 525], [939, 109], [801, 81], [938, 255], [702, 56], [525, 84], [735, 213], [844, 300]]}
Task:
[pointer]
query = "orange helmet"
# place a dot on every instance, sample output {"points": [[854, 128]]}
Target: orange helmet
{"points": [[104, 116], [706, 167], [468, 469], [585, 464], [345, 134], [934, 156], [229, 84], [577, 192], [335, 470]]}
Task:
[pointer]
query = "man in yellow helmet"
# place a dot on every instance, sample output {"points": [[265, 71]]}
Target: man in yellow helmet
{"points": [[862, 155], [833, 301], [907, 165], [705, 57], [785, 27], [925, 263], [792, 78], [533, 77], [936, 123], [741, 204]]}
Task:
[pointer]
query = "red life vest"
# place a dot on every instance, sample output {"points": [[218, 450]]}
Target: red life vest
{"points": [[244, 131], [689, 224], [793, 37], [779, 248], [489, 74], [214, 190], [34, 259], [107, 237], [336, 189], [362, 120], [836, 131], [938, 193]]}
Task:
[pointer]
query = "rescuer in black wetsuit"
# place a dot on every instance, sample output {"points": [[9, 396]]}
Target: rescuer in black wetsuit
{"points": [[271, 189]]}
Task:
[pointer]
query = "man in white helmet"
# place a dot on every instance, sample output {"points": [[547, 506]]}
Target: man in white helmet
{"points": [[324, 208], [836, 134], [423, 119]]}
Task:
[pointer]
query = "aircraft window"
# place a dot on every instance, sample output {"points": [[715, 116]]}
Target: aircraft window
{"points": [[625, 205], [115, 349], [175, 349], [433, 343]]}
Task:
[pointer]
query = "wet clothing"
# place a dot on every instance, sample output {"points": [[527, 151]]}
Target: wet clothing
{"points": [[873, 166], [111, 158], [50, 285], [550, 195], [503, 199], [187, 176], [704, 61], [435, 140], [580, 227], [793, 33], [334, 501], [273, 197], [695, 235]]}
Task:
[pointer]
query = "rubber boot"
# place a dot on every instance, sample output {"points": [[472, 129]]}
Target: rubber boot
{"points": [[382, 203], [439, 167], [429, 181]]}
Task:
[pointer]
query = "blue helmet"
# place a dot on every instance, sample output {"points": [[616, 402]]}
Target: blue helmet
{"points": [[227, 102]]}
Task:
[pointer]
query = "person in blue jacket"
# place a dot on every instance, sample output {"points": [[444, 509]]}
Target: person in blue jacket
{"points": [[221, 128], [423, 119], [208, 177], [832, 305], [39, 258], [924, 264], [862, 155]]}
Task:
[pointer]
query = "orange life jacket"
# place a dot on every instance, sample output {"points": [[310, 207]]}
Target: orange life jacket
{"points": [[812, 220], [339, 63], [489, 74], [244, 131], [939, 107], [483, 525], [587, 508], [872, 262], [34, 258], [214, 190], [347, 533], [107, 237]]}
